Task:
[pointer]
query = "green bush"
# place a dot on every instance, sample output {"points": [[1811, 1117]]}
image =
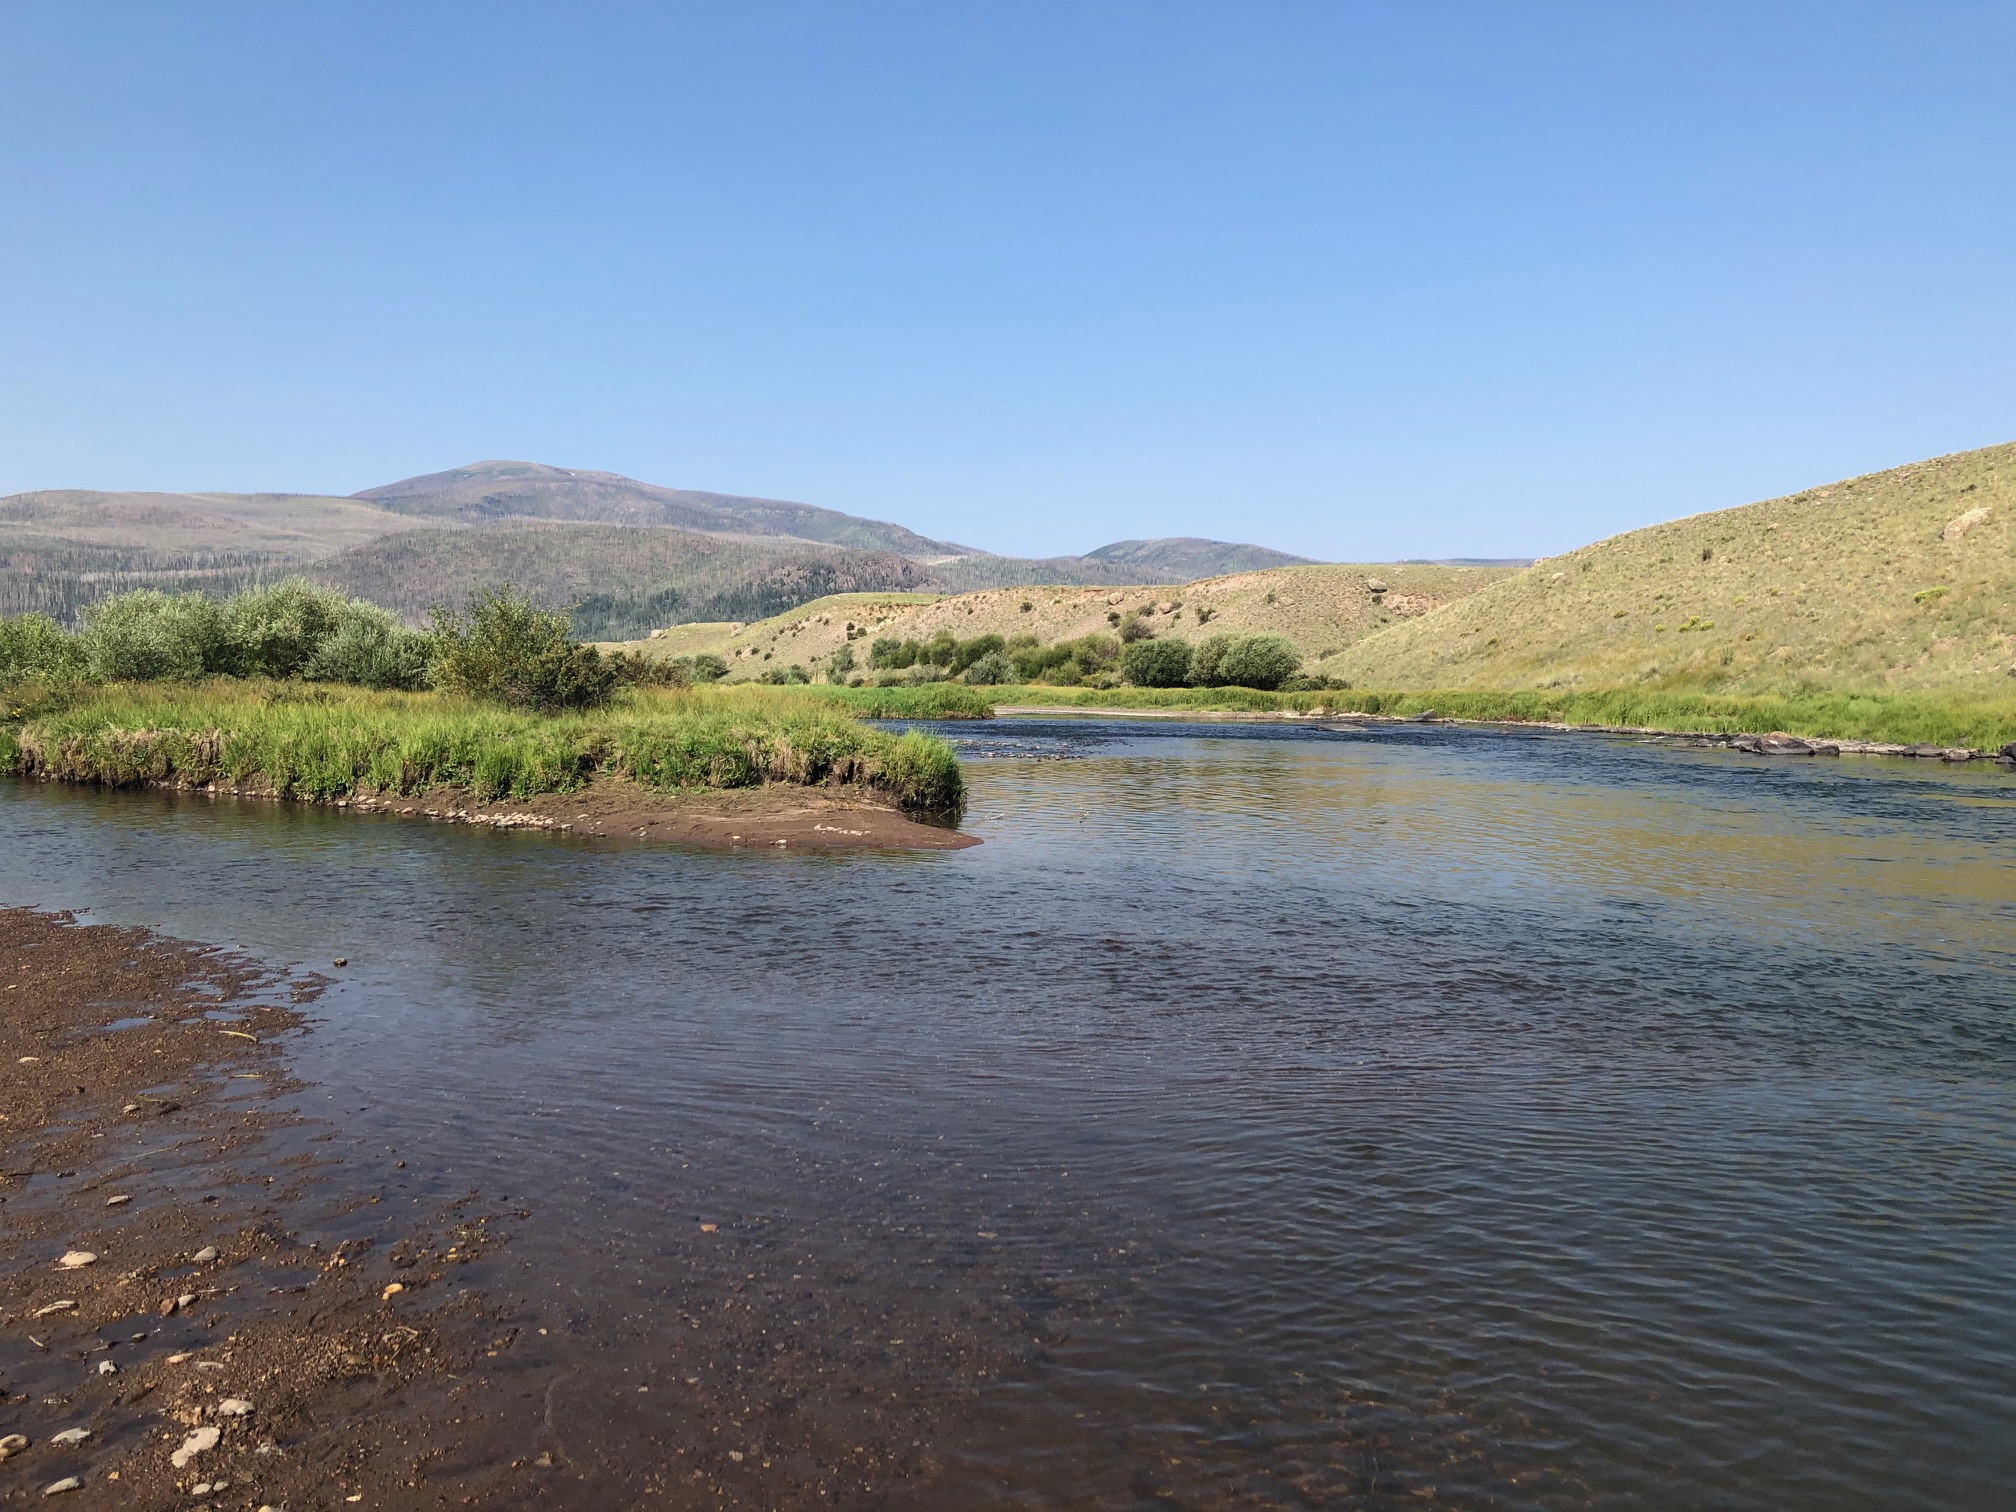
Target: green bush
{"points": [[1243, 661], [34, 645], [672, 671], [368, 647], [943, 651], [1067, 663], [148, 636], [1156, 663], [1207, 657], [990, 669], [505, 649], [276, 631]]}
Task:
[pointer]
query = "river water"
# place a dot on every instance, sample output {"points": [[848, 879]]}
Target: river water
{"points": [[1261, 1117]]}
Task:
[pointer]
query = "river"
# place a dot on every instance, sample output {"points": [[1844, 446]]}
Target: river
{"points": [[1260, 1117]]}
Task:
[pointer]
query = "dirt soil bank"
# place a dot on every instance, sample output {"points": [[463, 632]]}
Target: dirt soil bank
{"points": [[189, 1267], [776, 814], [178, 1270]]}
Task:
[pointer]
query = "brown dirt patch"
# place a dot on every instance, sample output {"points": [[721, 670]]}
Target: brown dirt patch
{"points": [[775, 815], [137, 1077]]}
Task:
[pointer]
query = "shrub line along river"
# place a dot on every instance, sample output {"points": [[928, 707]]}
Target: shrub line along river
{"points": [[1264, 1116]]}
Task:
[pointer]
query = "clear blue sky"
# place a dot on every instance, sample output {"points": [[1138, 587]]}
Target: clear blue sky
{"points": [[1357, 280]]}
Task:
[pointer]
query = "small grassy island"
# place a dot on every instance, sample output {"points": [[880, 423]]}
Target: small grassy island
{"points": [[290, 692]]}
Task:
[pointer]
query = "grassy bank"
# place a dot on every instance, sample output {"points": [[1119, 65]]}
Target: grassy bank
{"points": [[946, 700], [1905, 718], [332, 742]]}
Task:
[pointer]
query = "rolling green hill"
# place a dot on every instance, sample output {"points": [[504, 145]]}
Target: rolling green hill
{"points": [[1896, 581]]}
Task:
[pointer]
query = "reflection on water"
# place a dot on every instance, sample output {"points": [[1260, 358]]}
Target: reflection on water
{"points": [[1293, 1117]]}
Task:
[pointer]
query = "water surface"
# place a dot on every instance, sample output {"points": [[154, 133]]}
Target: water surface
{"points": [[1261, 1117]]}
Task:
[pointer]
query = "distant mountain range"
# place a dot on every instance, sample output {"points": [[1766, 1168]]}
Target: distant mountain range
{"points": [[626, 556]]}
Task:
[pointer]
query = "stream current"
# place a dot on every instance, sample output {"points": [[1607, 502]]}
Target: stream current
{"points": [[1261, 1117]]}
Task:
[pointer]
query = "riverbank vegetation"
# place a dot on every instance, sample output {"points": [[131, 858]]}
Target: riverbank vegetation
{"points": [[1134, 655], [323, 742], [295, 692]]}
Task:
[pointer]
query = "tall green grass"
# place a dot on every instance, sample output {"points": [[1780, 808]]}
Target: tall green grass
{"points": [[324, 743], [944, 700]]}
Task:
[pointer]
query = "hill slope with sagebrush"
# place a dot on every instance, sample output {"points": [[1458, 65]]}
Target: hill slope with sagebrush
{"points": [[1323, 609], [1896, 581]]}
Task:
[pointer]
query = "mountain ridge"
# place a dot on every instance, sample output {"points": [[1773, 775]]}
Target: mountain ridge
{"points": [[61, 549]]}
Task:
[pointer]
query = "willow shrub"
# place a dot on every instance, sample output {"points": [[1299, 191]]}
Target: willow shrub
{"points": [[35, 646], [332, 743]]}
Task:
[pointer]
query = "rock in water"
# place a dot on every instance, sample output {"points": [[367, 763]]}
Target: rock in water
{"points": [[70, 1436], [77, 1260], [68, 1483], [1778, 743]]}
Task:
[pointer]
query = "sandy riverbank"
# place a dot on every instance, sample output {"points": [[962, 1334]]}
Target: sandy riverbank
{"points": [[181, 1268], [355, 1334]]}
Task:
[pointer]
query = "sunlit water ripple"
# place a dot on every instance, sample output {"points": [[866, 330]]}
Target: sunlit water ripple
{"points": [[1500, 1120]]}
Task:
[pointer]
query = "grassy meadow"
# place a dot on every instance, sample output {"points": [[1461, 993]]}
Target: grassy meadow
{"points": [[333, 741]]}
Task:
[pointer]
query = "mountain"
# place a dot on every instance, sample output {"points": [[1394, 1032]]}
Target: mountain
{"points": [[618, 580], [632, 556], [1178, 559], [1894, 581], [484, 492], [62, 549]]}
